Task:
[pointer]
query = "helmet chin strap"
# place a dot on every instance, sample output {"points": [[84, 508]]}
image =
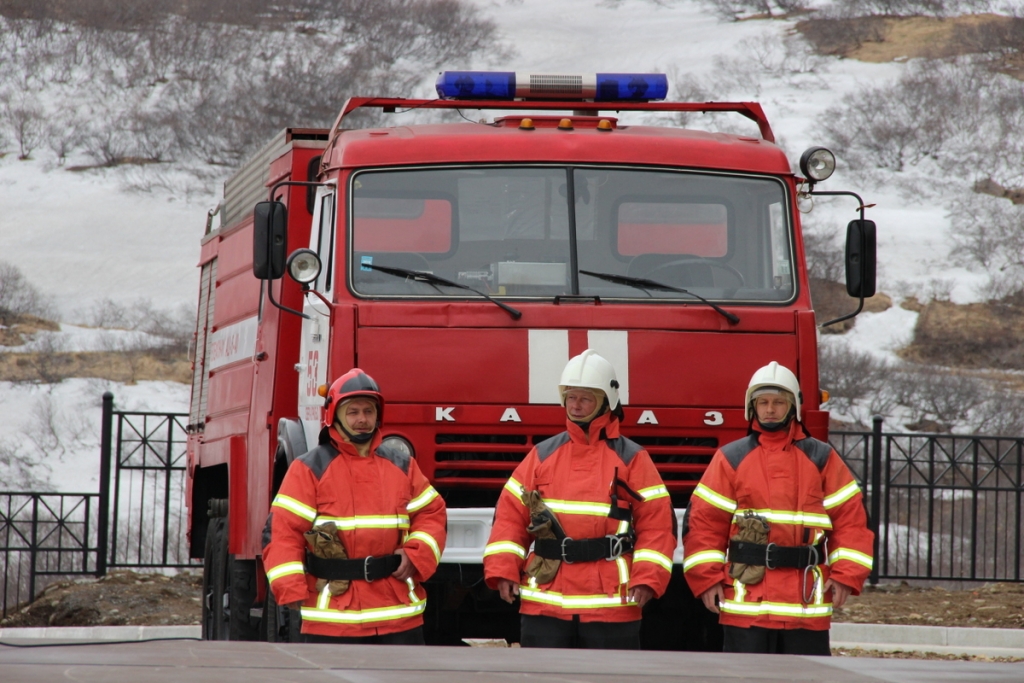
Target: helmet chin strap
{"points": [[354, 437], [777, 426]]}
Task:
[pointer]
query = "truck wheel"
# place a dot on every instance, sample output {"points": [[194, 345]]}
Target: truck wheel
{"points": [[241, 591], [280, 624], [215, 558]]}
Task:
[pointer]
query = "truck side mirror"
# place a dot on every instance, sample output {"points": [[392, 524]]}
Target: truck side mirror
{"points": [[269, 240], [860, 258]]}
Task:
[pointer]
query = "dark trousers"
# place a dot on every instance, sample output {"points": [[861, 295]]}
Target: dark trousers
{"points": [[572, 633], [413, 636], [776, 641]]}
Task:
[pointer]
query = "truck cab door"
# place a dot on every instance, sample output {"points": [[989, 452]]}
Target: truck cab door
{"points": [[312, 366]]}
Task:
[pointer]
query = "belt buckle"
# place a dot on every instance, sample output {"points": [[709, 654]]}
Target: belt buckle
{"points": [[564, 558], [366, 569], [768, 556], [616, 545]]}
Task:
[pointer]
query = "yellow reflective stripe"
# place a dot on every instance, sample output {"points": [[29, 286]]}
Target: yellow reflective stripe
{"points": [[576, 507], [653, 492], [623, 569], [623, 526], [781, 609], [294, 506], [851, 555], [703, 557], [716, 499], [429, 540], [323, 601], [648, 555], [791, 517], [842, 495], [286, 569], [367, 522], [421, 501], [505, 547], [573, 601], [365, 615], [515, 488]]}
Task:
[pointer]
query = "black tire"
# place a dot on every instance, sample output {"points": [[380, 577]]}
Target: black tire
{"points": [[215, 559], [241, 592]]}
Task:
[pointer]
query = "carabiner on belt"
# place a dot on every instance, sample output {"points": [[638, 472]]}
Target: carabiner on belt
{"points": [[812, 564]]}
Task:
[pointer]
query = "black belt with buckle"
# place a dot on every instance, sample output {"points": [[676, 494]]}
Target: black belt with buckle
{"points": [[362, 569], [571, 550], [774, 556]]}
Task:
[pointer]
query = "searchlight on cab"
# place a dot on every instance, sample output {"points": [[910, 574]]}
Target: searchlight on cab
{"points": [[511, 85]]}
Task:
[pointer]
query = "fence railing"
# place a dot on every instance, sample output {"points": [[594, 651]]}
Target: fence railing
{"points": [[137, 520], [949, 505]]}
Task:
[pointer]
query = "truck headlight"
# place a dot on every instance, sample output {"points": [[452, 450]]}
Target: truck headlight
{"points": [[303, 266], [817, 164], [399, 444]]}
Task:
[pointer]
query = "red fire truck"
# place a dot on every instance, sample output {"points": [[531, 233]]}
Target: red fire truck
{"points": [[461, 264]]}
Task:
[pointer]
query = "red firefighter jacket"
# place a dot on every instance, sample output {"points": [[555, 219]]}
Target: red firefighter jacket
{"points": [[806, 493], [575, 479], [379, 503]]}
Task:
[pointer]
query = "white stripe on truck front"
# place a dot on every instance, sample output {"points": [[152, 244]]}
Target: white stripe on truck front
{"points": [[549, 352]]}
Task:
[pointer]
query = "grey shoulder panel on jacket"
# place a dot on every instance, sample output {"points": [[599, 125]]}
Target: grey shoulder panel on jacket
{"points": [[737, 450], [319, 458], [397, 458], [817, 451], [548, 446], [625, 448]]}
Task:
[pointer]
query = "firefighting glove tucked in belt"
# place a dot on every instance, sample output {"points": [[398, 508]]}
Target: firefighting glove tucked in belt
{"points": [[543, 525], [752, 529], [324, 542]]}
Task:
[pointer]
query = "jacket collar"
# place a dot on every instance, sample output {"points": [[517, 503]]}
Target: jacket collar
{"points": [[780, 439], [349, 448], [604, 426]]}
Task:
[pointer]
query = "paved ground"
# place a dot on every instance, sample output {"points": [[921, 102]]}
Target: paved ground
{"points": [[40, 658]]}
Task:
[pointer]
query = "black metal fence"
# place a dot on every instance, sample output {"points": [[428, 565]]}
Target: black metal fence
{"points": [[949, 506], [137, 520]]}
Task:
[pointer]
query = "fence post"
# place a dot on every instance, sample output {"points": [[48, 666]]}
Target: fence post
{"points": [[106, 454], [876, 491]]}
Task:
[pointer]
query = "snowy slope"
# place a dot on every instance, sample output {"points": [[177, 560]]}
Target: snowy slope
{"points": [[79, 237]]}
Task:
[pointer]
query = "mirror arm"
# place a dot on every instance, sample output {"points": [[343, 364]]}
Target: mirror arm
{"points": [[860, 207], [270, 286]]}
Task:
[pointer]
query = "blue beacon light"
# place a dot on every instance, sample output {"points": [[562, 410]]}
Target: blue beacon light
{"points": [[509, 85]]}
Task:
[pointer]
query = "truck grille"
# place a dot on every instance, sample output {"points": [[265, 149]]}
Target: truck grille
{"points": [[489, 459]]}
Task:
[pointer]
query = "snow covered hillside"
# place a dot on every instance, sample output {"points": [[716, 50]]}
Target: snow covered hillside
{"points": [[132, 232]]}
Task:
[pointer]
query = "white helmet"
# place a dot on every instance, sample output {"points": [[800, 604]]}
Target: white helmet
{"points": [[773, 375], [590, 371]]}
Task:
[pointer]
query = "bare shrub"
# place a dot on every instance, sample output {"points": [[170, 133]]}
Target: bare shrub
{"points": [[989, 233], [912, 8], [26, 118], [825, 253], [733, 10], [841, 35], [21, 470], [19, 297], [49, 359]]}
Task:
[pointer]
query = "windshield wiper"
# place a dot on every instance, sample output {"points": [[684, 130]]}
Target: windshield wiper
{"points": [[645, 284], [434, 280]]}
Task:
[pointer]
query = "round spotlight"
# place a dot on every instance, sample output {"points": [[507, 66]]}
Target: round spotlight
{"points": [[399, 444], [817, 164], [303, 266]]}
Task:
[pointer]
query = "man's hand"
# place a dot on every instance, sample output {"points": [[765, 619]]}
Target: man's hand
{"points": [[711, 595], [508, 590], [840, 591], [406, 569], [640, 595]]}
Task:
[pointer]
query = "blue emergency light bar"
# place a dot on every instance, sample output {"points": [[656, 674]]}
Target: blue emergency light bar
{"points": [[510, 85]]}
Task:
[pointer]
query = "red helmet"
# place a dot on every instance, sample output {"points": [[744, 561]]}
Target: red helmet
{"points": [[353, 383]]}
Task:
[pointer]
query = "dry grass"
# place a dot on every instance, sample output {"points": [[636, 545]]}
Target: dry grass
{"points": [[979, 335], [887, 39], [830, 301], [114, 366]]}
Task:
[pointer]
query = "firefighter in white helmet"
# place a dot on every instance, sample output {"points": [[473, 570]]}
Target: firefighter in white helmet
{"points": [[599, 517], [776, 535]]}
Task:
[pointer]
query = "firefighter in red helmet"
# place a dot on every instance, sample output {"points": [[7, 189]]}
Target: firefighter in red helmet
{"points": [[598, 516], [355, 528], [776, 535]]}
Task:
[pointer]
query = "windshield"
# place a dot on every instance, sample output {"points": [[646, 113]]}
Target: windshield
{"points": [[513, 232]]}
